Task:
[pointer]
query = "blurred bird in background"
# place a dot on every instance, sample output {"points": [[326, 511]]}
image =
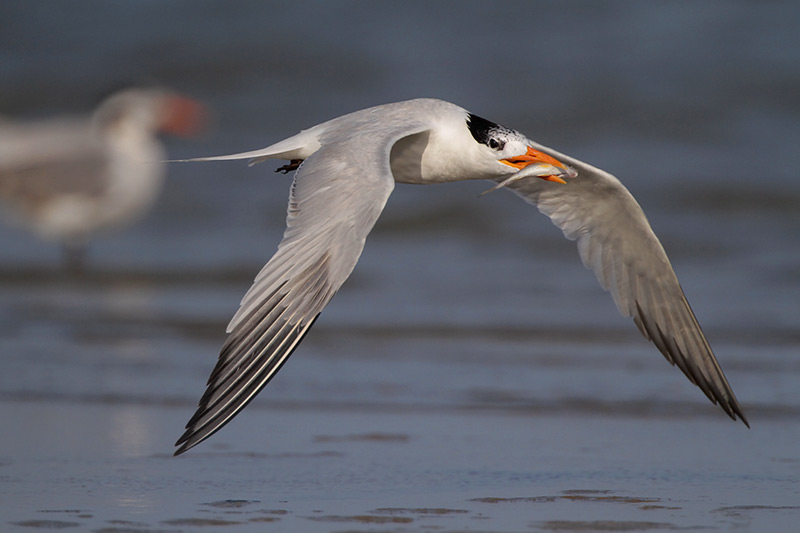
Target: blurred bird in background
{"points": [[69, 179]]}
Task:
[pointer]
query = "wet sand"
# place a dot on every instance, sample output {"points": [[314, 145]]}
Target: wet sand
{"points": [[443, 419], [105, 466]]}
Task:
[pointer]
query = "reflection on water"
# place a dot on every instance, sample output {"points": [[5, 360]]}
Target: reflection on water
{"points": [[131, 432]]}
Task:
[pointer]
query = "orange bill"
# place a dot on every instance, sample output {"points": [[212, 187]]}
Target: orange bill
{"points": [[534, 156]]}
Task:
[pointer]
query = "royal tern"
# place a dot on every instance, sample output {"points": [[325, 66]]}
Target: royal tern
{"points": [[69, 179], [346, 169]]}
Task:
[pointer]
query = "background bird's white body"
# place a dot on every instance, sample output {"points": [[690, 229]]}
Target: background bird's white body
{"points": [[120, 171]]}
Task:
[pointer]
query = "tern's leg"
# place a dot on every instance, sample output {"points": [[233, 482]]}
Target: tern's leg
{"points": [[293, 165]]}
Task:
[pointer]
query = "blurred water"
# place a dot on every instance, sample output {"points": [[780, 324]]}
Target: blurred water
{"points": [[470, 363]]}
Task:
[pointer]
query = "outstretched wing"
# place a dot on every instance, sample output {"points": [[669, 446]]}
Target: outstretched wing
{"points": [[337, 195], [615, 241]]}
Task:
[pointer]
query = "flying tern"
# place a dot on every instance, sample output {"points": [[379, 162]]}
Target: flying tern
{"points": [[346, 169], [69, 179]]}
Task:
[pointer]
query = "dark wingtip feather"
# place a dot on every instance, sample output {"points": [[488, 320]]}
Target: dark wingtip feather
{"points": [[723, 397], [198, 430], [743, 419]]}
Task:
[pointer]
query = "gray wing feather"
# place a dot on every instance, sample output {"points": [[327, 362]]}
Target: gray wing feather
{"points": [[616, 242], [335, 199]]}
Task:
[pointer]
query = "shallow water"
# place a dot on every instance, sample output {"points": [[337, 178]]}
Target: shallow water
{"points": [[338, 468], [470, 376]]}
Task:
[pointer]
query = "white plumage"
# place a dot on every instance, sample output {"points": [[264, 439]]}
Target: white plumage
{"points": [[348, 170]]}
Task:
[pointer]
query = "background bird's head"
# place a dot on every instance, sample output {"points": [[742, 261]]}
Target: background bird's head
{"points": [[151, 110]]}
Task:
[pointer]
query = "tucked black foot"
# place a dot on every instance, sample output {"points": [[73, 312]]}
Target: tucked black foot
{"points": [[293, 165]]}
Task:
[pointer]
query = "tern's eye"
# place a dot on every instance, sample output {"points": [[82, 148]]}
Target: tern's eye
{"points": [[494, 144]]}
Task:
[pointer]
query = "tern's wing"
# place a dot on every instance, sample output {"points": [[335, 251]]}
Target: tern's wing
{"points": [[337, 195], [616, 242]]}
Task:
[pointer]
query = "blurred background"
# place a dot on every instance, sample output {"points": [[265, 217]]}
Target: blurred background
{"points": [[693, 105]]}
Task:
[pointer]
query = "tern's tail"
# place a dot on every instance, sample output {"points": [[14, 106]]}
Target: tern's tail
{"points": [[299, 147]]}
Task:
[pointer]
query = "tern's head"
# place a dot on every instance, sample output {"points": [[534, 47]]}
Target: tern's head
{"points": [[512, 152]]}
